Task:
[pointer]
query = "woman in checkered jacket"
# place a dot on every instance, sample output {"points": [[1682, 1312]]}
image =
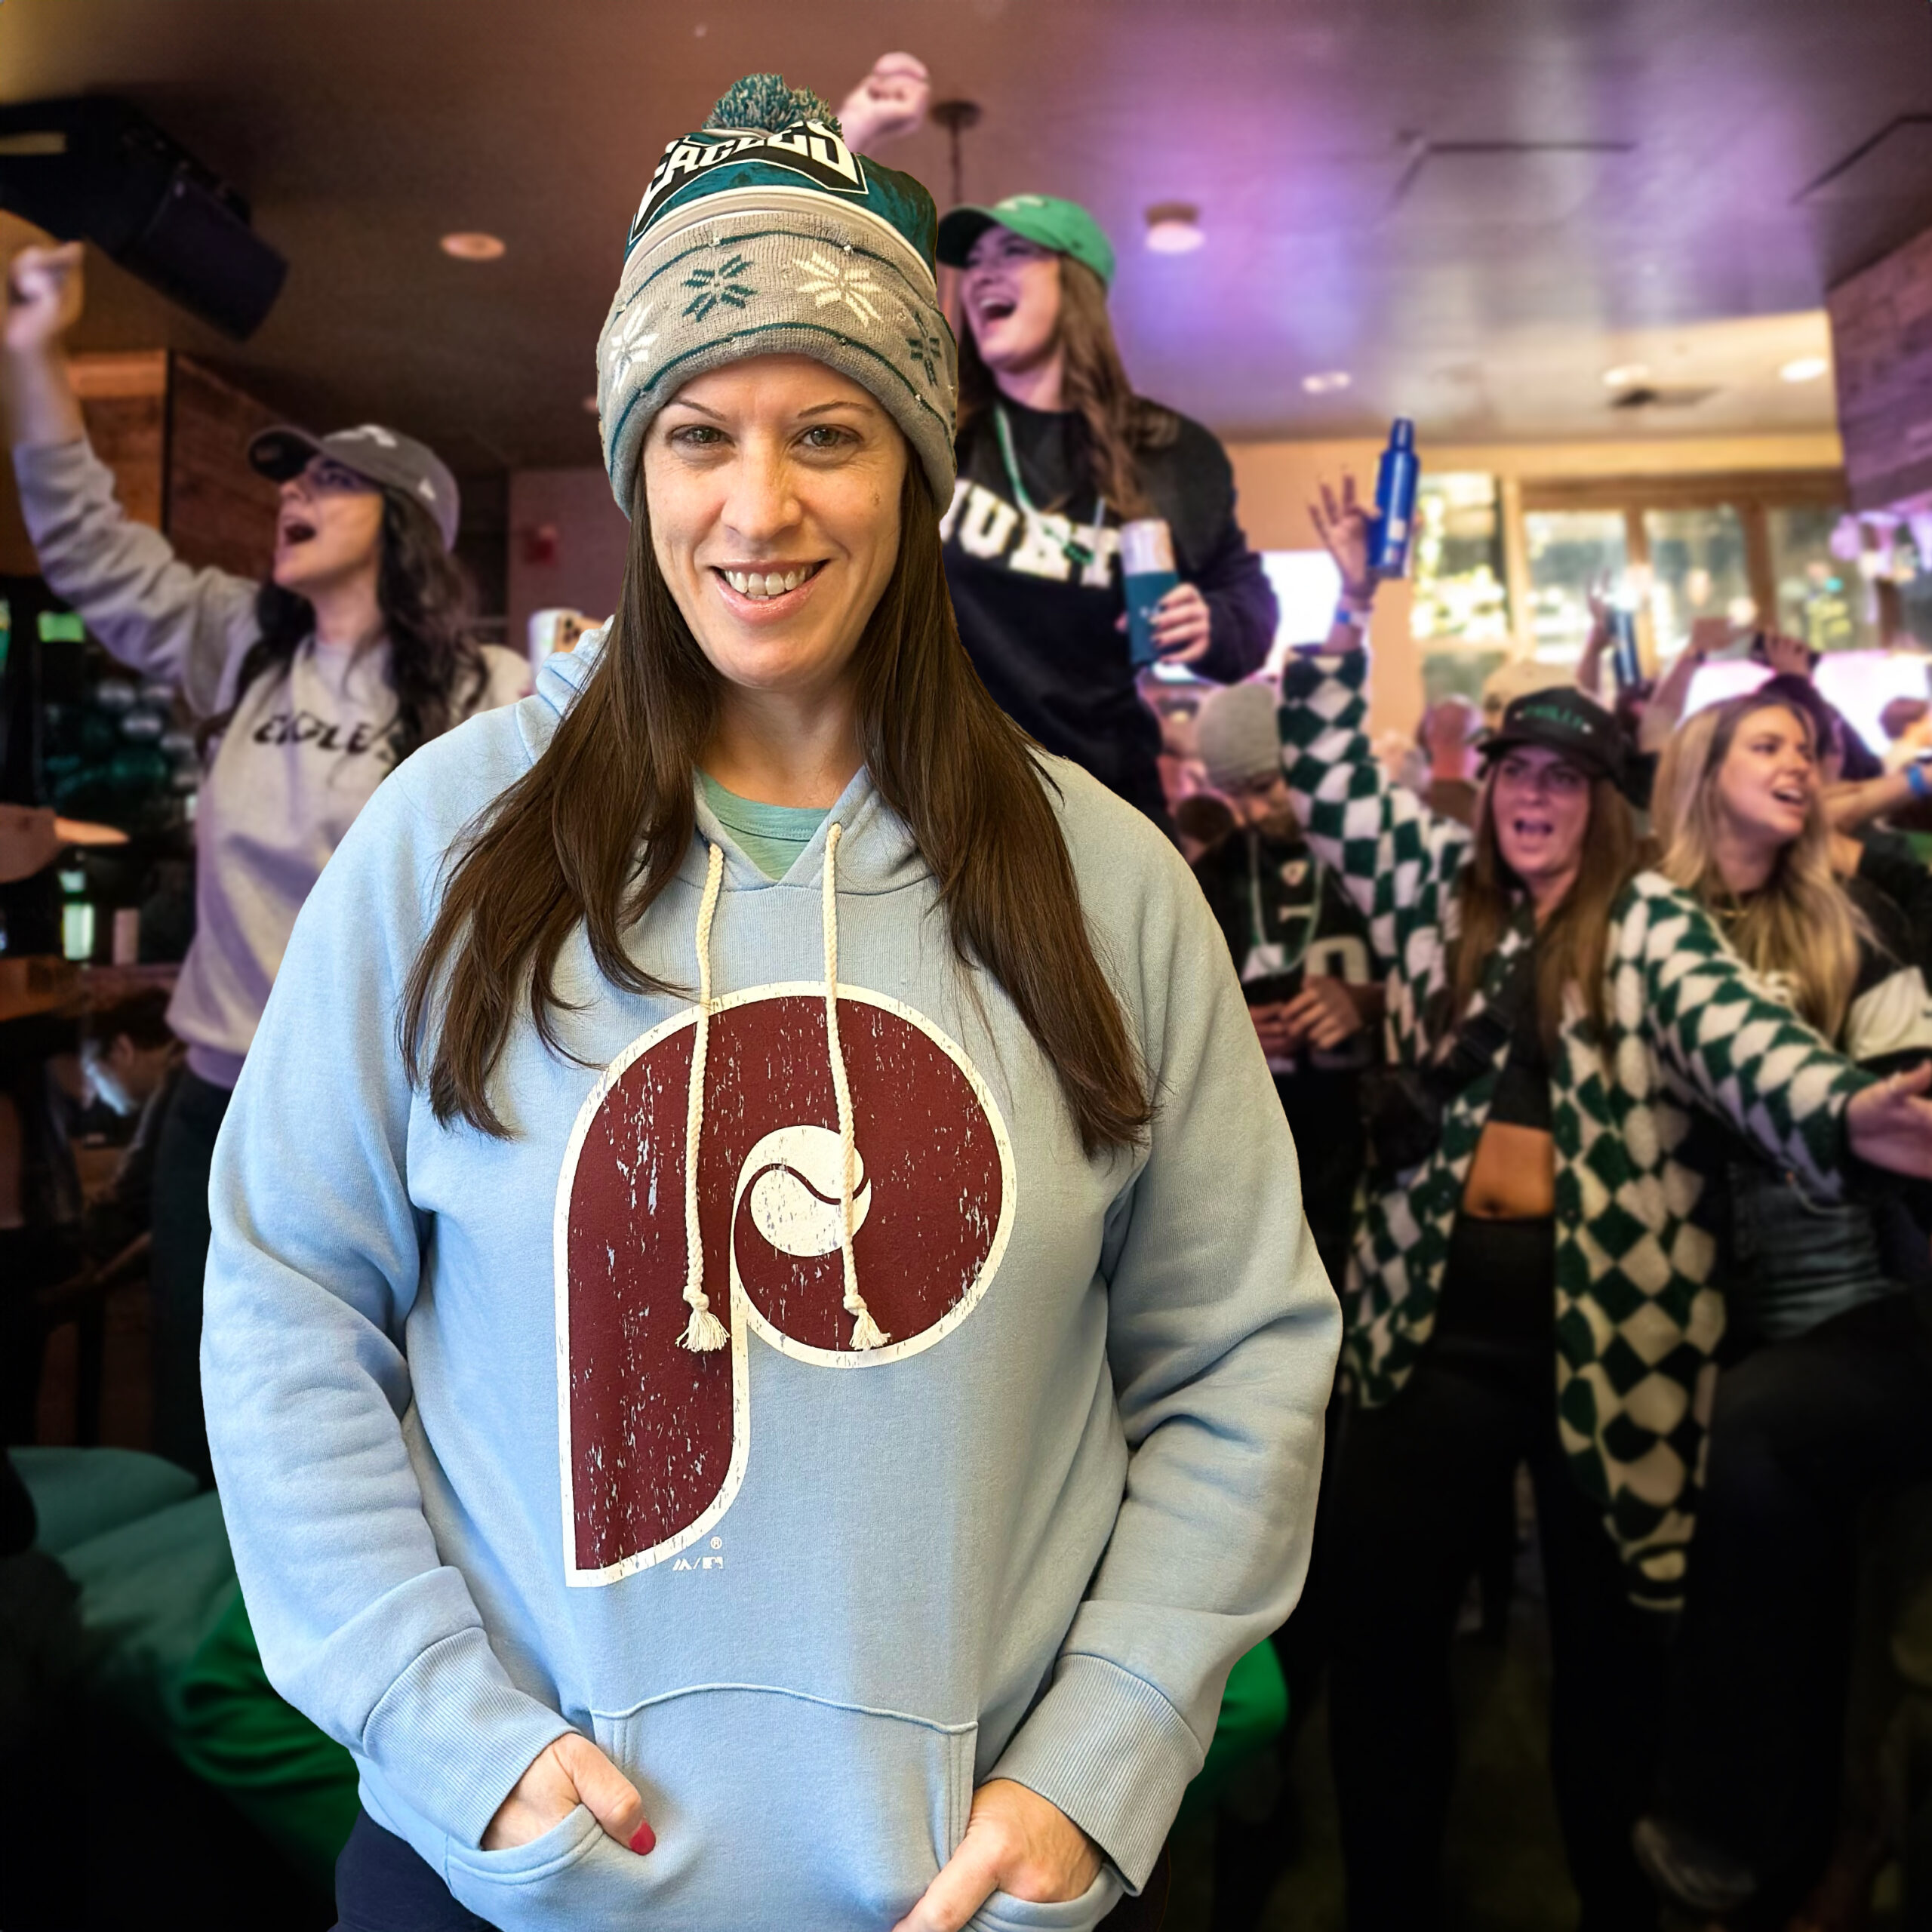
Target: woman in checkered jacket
{"points": [[1826, 1399], [1531, 1280]]}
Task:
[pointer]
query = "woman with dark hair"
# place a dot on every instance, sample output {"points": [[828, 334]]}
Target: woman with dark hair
{"points": [[1056, 453], [1825, 1398], [732, 1337], [308, 688], [1531, 1280]]}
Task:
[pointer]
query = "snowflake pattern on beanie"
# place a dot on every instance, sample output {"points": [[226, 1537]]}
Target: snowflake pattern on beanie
{"points": [[763, 234]]}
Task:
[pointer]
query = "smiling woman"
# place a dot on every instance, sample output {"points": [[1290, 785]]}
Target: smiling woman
{"points": [[1056, 454], [766, 1196]]}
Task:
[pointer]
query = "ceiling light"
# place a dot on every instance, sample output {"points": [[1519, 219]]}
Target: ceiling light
{"points": [[1624, 375], [1173, 228], [590, 405], [472, 245], [1326, 382], [1804, 368]]}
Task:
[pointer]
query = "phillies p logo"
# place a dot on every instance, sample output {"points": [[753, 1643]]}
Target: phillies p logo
{"points": [[656, 1439]]}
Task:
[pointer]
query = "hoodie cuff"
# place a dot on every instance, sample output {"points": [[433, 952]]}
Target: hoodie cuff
{"points": [[1111, 1751], [453, 1735]]}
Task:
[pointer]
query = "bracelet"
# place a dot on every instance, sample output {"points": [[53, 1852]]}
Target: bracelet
{"points": [[1353, 615], [1918, 779]]}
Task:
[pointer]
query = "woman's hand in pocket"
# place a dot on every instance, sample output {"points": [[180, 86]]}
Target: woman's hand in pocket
{"points": [[1015, 1842], [568, 1772]]}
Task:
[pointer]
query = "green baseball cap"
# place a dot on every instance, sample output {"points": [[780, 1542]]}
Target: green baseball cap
{"points": [[1066, 227]]}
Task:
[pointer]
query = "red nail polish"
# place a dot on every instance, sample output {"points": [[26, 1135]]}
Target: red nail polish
{"points": [[644, 1840]]}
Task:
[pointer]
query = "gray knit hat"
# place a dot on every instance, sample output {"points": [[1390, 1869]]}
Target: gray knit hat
{"points": [[1236, 736], [763, 234]]}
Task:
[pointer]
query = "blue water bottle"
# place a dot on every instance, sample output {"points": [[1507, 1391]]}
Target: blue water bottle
{"points": [[1394, 521]]}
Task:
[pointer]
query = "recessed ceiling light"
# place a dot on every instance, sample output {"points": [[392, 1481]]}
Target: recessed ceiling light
{"points": [[471, 244], [1624, 375], [1173, 228], [1804, 368], [1326, 382]]}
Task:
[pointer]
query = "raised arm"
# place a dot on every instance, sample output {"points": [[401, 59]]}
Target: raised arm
{"points": [[179, 626], [1665, 712], [1394, 858], [1747, 1058]]}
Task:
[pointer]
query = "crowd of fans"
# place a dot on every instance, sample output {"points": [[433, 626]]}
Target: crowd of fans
{"points": [[1599, 1028], [1618, 1258]]}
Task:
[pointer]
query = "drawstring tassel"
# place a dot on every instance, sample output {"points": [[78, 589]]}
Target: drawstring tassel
{"points": [[704, 1333], [866, 1333]]}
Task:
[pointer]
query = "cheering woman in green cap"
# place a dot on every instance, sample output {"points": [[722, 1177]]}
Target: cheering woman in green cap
{"points": [[1056, 453]]}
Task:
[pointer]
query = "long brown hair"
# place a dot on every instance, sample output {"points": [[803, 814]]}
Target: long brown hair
{"points": [[435, 667], [597, 828], [1119, 424], [1801, 927], [1574, 942]]}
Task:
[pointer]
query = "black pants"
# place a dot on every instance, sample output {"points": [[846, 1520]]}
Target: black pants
{"points": [[1802, 1432], [182, 1157], [382, 1885], [1412, 1500]]}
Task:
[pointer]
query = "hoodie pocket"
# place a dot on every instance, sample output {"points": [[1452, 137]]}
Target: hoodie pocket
{"points": [[770, 1808], [1003, 1912], [519, 1887]]}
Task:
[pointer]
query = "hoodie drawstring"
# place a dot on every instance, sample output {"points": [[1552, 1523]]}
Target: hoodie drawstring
{"points": [[705, 1332], [865, 1332]]}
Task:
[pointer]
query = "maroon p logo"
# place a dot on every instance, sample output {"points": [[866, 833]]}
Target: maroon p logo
{"points": [[655, 1439]]}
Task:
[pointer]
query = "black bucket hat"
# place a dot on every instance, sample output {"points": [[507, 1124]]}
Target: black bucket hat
{"points": [[1562, 718]]}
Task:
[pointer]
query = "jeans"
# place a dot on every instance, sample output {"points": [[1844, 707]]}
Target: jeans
{"points": [[1802, 1432], [1413, 1496], [180, 1261]]}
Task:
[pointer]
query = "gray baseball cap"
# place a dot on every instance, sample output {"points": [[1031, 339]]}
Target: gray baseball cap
{"points": [[385, 457]]}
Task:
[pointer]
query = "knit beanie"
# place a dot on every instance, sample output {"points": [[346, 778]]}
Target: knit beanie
{"points": [[1236, 736], [763, 234]]}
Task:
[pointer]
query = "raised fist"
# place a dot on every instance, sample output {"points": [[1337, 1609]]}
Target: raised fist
{"points": [[890, 102], [43, 296]]}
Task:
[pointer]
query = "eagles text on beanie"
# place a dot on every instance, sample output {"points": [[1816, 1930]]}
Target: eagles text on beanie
{"points": [[763, 234]]}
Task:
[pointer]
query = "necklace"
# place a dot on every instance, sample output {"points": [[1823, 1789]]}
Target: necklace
{"points": [[1079, 555]]}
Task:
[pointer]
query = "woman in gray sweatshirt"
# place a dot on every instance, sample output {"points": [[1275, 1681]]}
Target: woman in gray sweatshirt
{"points": [[309, 688]]}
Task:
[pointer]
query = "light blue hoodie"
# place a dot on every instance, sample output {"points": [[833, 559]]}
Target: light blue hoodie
{"points": [[808, 1596]]}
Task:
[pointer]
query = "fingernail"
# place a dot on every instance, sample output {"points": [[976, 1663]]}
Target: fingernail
{"points": [[644, 1840]]}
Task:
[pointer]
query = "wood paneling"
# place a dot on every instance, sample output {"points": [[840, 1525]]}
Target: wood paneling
{"points": [[219, 512], [176, 436], [1881, 335]]}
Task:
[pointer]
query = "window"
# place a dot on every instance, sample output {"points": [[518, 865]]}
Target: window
{"points": [[1698, 569], [1459, 592], [1821, 599], [1570, 551]]}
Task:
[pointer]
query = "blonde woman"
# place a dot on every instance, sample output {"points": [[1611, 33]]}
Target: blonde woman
{"points": [[1826, 1398]]}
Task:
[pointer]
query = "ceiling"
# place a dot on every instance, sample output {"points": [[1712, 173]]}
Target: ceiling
{"points": [[1474, 206]]}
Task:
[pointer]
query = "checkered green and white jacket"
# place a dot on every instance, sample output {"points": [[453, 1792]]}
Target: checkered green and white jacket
{"points": [[1690, 1032]]}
